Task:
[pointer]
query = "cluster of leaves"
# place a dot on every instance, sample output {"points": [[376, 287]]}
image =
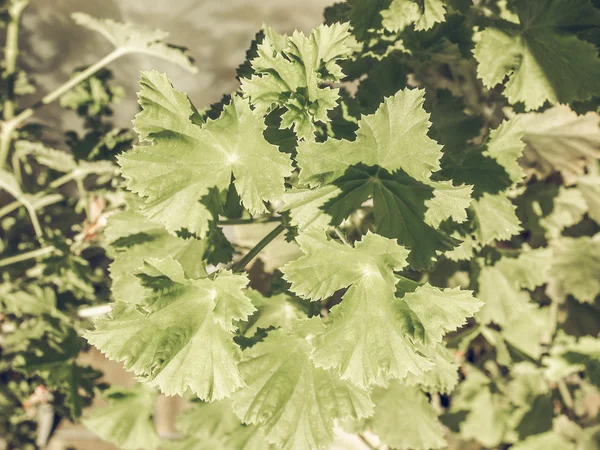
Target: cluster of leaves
{"points": [[54, 204], [434, 167], [435, 164]]}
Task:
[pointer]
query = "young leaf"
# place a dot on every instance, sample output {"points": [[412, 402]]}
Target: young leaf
{"points": [[289, 72]]}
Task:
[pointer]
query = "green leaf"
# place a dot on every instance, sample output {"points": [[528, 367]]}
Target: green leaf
{"points": [[49, 157], [569, 356], [576, 266], [424, 14], [402, 207], [279, 311], [391, 164], [500, 286], [128, 38], [132, 239], [528, 332], [495, 218], [543, 61], [127, 419], [589, 186], [201, 354], [506, 147], [394, 137], [559, 140], [208, 426], [487, 417], [289, 72], [568, 208], [405, 420], [367, 336], [439, 311], [545, 441], [291, 400], [166, 172], [443, 378], [491, 167]]}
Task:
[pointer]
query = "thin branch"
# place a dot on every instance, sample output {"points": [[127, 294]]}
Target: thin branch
{"points": [[11, 53], [565, 394], [27, 255], [10, 124], [249, 221], [366, 441], [242, 263], [340, 235]]}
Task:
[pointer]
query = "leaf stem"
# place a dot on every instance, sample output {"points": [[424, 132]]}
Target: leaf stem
{"points": [[242, 263], [11, 53], [340, 235], [10, 124], [27, 255], [366, 441], [565, 394], [250, 221]]}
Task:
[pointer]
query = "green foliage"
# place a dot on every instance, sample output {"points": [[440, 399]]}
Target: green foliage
{"points": [[434, 166]]}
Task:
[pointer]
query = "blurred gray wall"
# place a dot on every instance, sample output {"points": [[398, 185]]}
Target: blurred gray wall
{"points": [[217, 32]]}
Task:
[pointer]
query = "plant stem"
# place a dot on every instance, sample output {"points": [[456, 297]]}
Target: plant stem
{"points": [[340, 235], [11, 52], [565, 394], [10, 124], [242, 263], [366, 441], [249, 221], [28, 255]]}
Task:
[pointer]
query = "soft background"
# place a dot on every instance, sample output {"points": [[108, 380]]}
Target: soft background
{"points": [[217, 32]]}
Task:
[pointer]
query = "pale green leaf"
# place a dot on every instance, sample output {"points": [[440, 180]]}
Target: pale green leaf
{"points": [[488, 413], [496, 218], [201, 354], [209, 426], [289, 71], [394, 137], [405, 420], [439, 311], [127, 419], [129, 38], [589, 186], [576, 266], [364, 336], [443, 378], [559, 140], [506, 147], [292, 401], [133, 239], [568, 208], [166, 171]]}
